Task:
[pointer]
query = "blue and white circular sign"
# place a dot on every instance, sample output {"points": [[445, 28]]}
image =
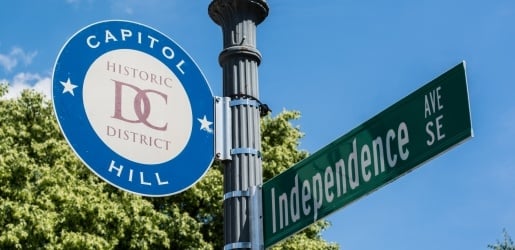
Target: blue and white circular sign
{"points": [[134, 107]]}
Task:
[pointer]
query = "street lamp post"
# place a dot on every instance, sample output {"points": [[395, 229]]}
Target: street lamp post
{"points": [[243, 175]]}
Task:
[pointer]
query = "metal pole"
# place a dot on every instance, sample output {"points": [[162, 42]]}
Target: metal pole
{"points": [[239, 60]]}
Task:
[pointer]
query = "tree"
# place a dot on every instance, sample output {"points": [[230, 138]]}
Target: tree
{"points": [[50, 200], [506, 245], [280, 151]]}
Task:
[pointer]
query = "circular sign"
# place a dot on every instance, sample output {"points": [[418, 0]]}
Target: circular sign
{"points": [[134, 107]]}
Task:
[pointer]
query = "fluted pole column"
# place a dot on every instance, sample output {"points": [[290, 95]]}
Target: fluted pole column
{"points": [[239, 60]]}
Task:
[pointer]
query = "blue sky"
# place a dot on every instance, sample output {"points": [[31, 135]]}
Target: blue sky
{"points": [[339, 62]]}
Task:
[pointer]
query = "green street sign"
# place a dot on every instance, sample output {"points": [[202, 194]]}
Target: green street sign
{"points": [[419, 127]]}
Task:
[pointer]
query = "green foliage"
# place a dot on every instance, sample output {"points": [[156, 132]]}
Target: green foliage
{"points": [[280, 141], [507, 244], [50, 200]]}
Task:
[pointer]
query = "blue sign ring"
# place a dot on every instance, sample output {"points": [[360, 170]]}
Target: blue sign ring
{"points": [[161, 178]]}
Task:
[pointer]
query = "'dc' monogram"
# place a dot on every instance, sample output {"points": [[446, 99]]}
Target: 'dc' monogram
{"points": [[141, 104]]}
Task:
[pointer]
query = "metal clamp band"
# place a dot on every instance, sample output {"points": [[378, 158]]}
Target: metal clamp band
{"points": [[236, 193], [243, 99], [249, 102], [237, 245], [237, 151]]}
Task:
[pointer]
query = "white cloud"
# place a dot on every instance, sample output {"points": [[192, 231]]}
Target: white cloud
{"points": [[21, 81], [129, 10], [10, 60], [135, 7], [7, 62]]}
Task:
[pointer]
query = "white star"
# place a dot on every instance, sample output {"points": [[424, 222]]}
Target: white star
{"points": [[68, 86], [204, 124]]}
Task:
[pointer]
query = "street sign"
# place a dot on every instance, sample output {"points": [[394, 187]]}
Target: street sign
{"points": [[134, 107], [419, 127]]}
